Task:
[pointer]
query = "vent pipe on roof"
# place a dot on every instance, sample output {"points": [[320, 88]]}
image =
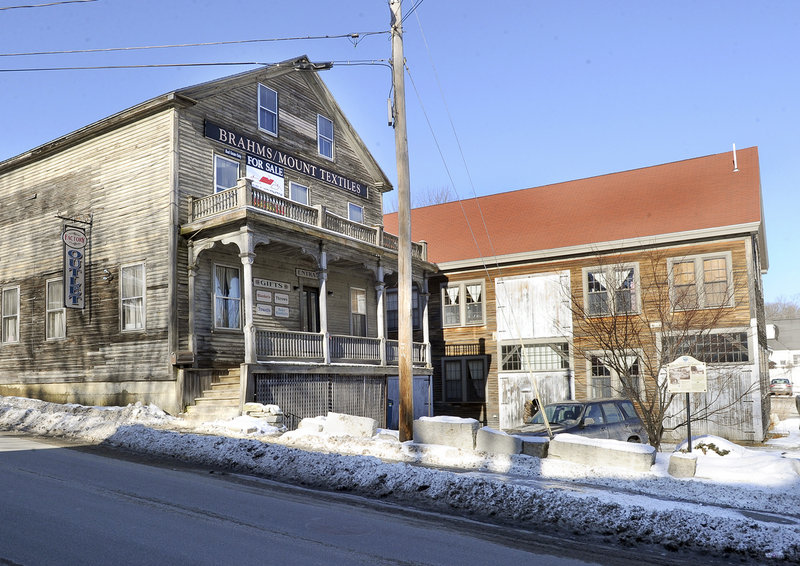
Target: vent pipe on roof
{"points": [[735, 164]]}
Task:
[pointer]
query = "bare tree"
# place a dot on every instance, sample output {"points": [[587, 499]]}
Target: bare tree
{"points": [[783, 308], [630, 328], [426, 197]]}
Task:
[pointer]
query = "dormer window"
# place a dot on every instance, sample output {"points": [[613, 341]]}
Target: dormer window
{"points": [[324, 136], [267, 110]]}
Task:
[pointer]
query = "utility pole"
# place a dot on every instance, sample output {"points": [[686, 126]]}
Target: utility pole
{"points": [[404, 323]]}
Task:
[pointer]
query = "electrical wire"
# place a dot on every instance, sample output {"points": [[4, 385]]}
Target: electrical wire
{"points": [[46, 5], [352, 36], [346, 63]]}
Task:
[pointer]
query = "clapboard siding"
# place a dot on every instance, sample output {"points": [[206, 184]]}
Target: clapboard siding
{"points": [[120, 180]]}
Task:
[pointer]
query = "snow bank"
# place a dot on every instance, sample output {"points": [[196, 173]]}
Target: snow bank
{"points": [[631, 508]]}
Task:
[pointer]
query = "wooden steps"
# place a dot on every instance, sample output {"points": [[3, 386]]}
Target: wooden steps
{"points": [[221, 402]]}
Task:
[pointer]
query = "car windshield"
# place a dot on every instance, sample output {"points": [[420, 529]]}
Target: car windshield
{"points": [[559, 413]]}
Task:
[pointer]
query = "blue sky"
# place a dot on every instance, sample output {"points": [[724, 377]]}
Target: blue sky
{"points": [[525, 93]]}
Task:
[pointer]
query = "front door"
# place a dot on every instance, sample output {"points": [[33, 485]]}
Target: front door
{"points": [[310, 308]]}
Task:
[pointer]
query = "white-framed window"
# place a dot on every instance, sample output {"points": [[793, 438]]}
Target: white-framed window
{"points": [[226, 173], [463, 304], [464, 379], [355, 213], [534, 356], [132, 296], [392, 306], [267, 110], [10, 330], [611, 289], [796, 360], [227, 297], [56, 316], [358, 312], [605, 381], [298, 193], [702, 281], [324, 136]]}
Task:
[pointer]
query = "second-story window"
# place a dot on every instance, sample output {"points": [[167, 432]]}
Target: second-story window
{"points": [[355, 213], [611, 290], [267, 110], [463, 304], [701, 282], [298, 193], [324, 136], [226, 173]]}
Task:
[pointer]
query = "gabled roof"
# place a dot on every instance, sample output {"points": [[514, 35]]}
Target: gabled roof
{"points": [[701, 197], [188, 95]]}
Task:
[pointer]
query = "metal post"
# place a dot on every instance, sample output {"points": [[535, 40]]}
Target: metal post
{"points": [[688, 424]]}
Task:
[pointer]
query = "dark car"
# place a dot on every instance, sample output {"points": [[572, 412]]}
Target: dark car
{"points": [[615, 419]]}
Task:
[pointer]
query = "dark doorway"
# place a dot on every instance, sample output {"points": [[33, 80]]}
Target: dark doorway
{"points": [[310, 307]]}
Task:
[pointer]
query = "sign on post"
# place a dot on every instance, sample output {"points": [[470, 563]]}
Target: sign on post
{"points": [[687, 375]]}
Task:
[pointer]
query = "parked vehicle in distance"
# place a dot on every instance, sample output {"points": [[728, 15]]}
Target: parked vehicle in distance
{"points": [[780, 386], [615, 419]]}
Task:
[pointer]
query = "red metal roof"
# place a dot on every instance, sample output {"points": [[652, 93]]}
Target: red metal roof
{"points": [[695, 194]]}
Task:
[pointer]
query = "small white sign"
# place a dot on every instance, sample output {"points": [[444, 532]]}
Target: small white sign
{"points": [[267, 284], [282, 312], [264, 296], [281, 299], [265, 310], [307, 273], [687, 375]]}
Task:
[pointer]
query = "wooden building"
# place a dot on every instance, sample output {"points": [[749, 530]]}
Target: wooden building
{"points": [[517, 269], [216, 245]]}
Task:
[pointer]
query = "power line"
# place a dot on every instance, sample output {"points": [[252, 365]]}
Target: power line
{"points": [[46, 5], [355, 37], [348, 63]]}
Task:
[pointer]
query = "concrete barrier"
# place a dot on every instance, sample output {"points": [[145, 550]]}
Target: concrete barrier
{"points": [[682, 465], [601, 452], [496, 442], [535, 446], [338, 424], [447, 431]]}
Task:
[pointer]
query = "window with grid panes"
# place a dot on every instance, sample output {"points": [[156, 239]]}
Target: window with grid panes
{"points": [[534, 357], [464, 379], [701, 282], [600, 379]]}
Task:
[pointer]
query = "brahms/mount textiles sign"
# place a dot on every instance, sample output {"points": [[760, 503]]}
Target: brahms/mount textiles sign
{"points": [[283, 159]]}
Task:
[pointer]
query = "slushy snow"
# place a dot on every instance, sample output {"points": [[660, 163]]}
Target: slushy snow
{"points": [[744, 503]]}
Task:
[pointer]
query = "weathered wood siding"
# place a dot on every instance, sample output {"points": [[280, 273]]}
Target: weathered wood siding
{"points": [[236, 107], [498, 395], [121, 181]]}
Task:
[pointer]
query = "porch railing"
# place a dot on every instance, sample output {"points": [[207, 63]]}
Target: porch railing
{"points": [[289, 345], [419, 353], [307, 346], [244, 195], [355, 348]]}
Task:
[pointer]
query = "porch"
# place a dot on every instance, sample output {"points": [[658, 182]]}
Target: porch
{"points": [[281, 345], [244, 195]]}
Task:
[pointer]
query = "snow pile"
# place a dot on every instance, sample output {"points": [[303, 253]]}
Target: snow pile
{"points": [[705, 512]]}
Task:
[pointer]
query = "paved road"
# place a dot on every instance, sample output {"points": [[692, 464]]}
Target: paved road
{"points": [[60, 505]]}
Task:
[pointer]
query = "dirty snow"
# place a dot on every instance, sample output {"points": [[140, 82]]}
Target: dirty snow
{"points": [[744, 503]]}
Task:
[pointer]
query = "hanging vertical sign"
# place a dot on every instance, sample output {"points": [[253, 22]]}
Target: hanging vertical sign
{"points": [[74, 239]]}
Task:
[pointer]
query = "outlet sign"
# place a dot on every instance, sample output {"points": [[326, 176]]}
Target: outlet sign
{"points": [[74, 239]]}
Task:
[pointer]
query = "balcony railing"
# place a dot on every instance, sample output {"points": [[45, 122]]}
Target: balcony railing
{"points": [[245, 195], [272, 345]]}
